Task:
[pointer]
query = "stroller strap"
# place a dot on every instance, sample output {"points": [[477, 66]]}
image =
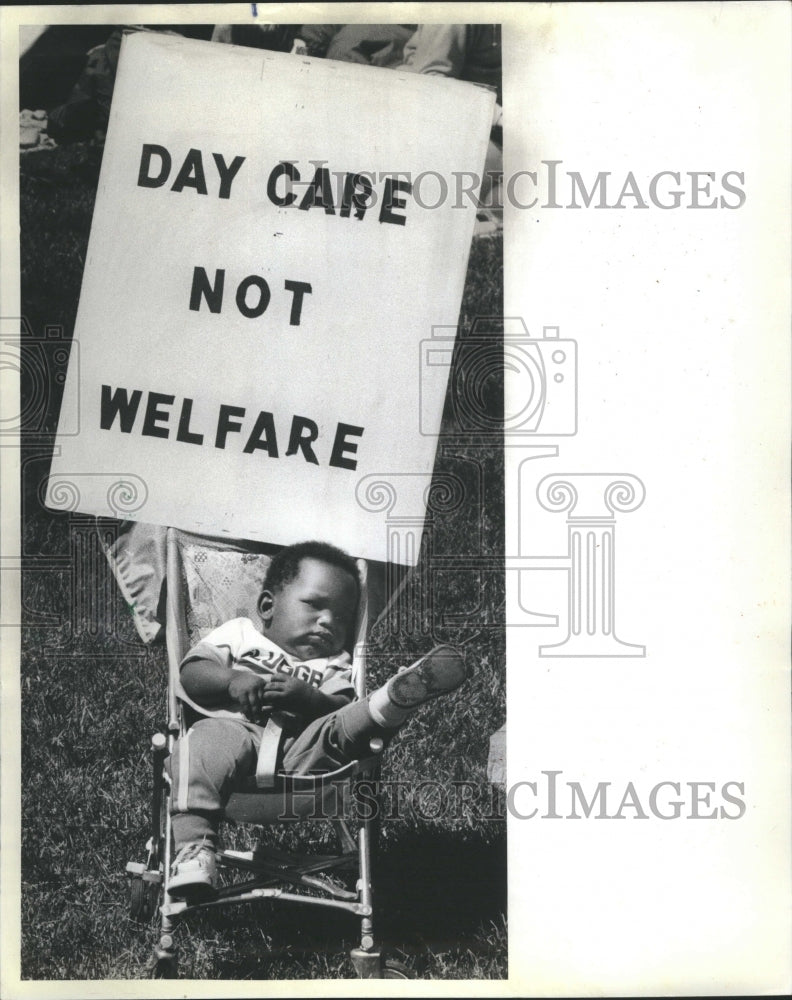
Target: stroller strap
{"points": [[268, 754]]}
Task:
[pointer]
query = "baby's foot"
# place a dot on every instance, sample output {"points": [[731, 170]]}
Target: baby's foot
{"points": [[194, 872], [439, 672]]}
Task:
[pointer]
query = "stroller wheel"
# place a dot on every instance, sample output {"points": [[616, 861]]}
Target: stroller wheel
{"points": [[143, 898], [391, 969], [165, 967], [372, 965], [138, 900], [165, 964]]}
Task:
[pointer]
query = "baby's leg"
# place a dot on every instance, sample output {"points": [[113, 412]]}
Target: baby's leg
{"points": [[206, 763], [334, 740], [345, 734]]}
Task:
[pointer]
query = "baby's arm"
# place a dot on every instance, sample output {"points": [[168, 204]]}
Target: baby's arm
{"points": [[211, 685], [286, 693]]}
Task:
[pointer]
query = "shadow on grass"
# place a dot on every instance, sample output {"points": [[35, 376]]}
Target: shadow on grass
{"points": [[435, 890], [435, 897]]}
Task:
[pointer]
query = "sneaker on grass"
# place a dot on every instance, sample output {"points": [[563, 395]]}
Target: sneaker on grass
{"points": [[194, 872]]}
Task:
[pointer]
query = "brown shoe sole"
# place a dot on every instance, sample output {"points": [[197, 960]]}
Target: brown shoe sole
{"points": [[439, 672]]}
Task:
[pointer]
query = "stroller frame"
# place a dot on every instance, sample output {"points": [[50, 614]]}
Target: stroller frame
{"points": [[272, 874]]}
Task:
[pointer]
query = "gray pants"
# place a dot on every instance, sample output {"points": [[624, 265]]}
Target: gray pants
{"points": [[216, 754]]}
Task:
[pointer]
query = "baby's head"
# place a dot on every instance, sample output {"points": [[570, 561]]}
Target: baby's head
{"points": [[310, 599]]}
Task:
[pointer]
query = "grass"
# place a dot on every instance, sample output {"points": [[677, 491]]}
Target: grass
{"points": [[92, 695]]}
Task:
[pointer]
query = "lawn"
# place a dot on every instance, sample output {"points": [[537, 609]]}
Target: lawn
{"points": [[92, 694]]}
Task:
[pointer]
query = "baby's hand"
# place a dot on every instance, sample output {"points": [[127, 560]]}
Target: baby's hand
{"points": [[246, 692], [289, 694]]}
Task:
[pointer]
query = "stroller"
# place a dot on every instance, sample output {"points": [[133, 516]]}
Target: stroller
{"points": [[207, 582]]}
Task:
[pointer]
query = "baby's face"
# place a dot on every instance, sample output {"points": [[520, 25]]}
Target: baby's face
{"points": [[313, 613]]}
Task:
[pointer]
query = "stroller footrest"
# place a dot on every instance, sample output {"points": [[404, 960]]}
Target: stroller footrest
{"points": [[303, 870], [147, 874], [317, 882], [174, 908]]}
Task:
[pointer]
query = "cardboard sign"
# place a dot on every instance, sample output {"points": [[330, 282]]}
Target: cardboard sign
{"points": [[273, 238]]}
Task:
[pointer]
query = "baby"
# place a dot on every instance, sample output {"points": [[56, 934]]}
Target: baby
{"points": [[293, 669]]}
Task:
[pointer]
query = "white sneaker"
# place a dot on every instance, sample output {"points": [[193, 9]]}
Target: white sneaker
{"points": [[194, 872]]}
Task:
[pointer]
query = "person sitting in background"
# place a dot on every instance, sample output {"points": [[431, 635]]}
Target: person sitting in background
{"points": [[369, 44], [471, 52], [87, 108], [463, 51], [84, 115], [275, 37]]}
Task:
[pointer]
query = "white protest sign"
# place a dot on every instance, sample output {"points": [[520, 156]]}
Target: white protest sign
{"points": [[261, 272]]}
